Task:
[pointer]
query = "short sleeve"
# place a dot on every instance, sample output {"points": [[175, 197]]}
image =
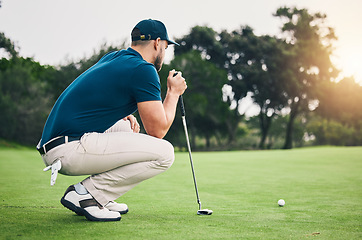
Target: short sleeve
{"points": [[146, 84]]}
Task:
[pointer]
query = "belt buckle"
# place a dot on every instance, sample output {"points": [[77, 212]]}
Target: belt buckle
{"points": [[44, 149]]}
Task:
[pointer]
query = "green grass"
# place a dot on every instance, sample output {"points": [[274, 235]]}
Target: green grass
{"points": [[322, 187]]}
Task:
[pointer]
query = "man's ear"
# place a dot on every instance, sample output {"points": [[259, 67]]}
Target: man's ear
{"points": [[157, 43]]}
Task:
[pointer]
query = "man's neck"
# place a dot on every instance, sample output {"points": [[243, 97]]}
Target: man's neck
{"points": [[145, 52]]}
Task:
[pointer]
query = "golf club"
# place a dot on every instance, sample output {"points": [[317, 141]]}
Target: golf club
{"points": [[200, 211]]}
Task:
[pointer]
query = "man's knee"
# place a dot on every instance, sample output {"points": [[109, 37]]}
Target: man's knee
{"points": [[168, 154], [120, 126]]}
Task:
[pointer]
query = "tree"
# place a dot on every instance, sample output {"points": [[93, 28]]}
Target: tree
{"points": [[206, 41], [338, 118], [22, 96], [253, 65], [256, 65], [215, 47], [206, 112], [309, 48], [24, 103], [341, 101], [211, 47], [7, 45]]}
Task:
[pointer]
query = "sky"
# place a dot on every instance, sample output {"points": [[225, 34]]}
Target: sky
{"points": [[54, 32]]}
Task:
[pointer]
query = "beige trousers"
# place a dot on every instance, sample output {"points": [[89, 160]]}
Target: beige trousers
{"points": [[117, 160]]}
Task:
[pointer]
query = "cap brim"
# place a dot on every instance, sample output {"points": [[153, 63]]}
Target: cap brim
{"points": [[172, 42]]}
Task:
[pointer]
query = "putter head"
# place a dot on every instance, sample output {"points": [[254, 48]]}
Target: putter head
{"points": [[204, 212]]}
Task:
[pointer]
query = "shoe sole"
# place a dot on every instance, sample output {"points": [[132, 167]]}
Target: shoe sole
{"points": [[123, 212], [82, 212]]}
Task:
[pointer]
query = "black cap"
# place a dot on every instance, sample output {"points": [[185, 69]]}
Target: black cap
{"points": [[151, 30]]}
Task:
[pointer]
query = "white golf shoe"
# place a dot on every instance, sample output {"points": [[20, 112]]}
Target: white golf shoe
{"points": [[77, 199], [122, 208]]}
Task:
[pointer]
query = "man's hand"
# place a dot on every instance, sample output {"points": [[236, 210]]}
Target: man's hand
{"points": [[176, 84], [134, 124]]}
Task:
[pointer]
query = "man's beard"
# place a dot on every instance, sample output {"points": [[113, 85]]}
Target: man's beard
{"points": [[158, 63]]}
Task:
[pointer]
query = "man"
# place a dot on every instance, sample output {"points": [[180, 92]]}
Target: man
{"points": [[90, 130]]}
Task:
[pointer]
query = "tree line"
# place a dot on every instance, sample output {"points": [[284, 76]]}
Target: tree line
{"points": [[289, 77]]}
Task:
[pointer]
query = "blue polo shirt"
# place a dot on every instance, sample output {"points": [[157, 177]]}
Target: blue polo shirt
{"points": [[102, 95]]}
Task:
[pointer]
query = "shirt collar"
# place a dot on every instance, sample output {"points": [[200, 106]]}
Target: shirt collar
{"points": [[134, 52]]}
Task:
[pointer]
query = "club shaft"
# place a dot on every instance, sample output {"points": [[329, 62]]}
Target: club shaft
{"points": [[189, 149]]}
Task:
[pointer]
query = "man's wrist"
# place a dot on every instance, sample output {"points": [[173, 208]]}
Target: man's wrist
{"points": [[172, 93]]}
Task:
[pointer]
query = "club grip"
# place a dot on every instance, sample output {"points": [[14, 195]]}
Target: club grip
{"points": [[181, 101], [182, 107]]}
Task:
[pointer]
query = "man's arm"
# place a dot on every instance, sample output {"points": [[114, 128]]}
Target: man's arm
{"points": [[156, 117]]}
